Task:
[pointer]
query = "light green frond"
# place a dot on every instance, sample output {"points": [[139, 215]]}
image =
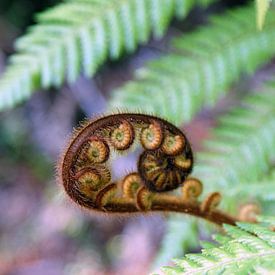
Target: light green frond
{"points": [[237, 159], [202, 66], [267, 219], [262, 189], [239, 155], [80, 35], [249, 249]]}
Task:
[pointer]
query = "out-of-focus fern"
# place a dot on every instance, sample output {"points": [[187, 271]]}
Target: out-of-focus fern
{"points": [[247, 249], [79, 35], [202, 67], [262, 190], [242, 149], [238, 159], [262, 8], [182, 234]]}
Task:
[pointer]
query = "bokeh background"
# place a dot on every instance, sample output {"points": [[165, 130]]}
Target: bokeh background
{"points": [[41, 231]]}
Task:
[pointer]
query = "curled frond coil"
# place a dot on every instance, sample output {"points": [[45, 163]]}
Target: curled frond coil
{"points": [[163, 166]]}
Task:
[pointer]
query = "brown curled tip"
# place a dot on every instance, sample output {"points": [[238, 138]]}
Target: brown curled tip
{"points": [[123, 136], [211, 202], [88, 180], [249, 212], [144, 199], [131, 183], [159, 173], [182, 162], [97, 151], [151, 137], [173, 145], [191, 189]]}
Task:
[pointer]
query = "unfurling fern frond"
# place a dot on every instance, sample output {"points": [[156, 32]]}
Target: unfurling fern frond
{"points": [[247, 249], [80, 35], [204, 64], [242, 149]]}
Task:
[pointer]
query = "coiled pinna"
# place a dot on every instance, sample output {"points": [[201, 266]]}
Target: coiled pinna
{"points": [[164, 165]]}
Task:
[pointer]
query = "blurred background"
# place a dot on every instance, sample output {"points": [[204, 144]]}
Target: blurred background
{"points": [[41, 231]]}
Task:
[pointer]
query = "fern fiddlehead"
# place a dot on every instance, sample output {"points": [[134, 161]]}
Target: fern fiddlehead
{"points": [[164, 165]]}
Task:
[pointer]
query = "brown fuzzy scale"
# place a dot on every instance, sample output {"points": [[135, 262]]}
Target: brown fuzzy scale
{"points": [[163, 166]]}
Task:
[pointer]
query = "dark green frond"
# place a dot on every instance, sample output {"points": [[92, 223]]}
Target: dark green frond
{"points": [[202, 67], [78, 36]]}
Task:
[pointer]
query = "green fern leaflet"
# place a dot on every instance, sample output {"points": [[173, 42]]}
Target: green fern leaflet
{"points": [[241, 153], [80, 35], [205, 64], [247, 249]]}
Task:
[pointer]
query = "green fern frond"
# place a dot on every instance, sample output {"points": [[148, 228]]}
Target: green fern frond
{"points": [[80, 35], [270, 220], [262, 7], [242, 149], [238, 159], [262, 189], [202, 67], [247, 249]]}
